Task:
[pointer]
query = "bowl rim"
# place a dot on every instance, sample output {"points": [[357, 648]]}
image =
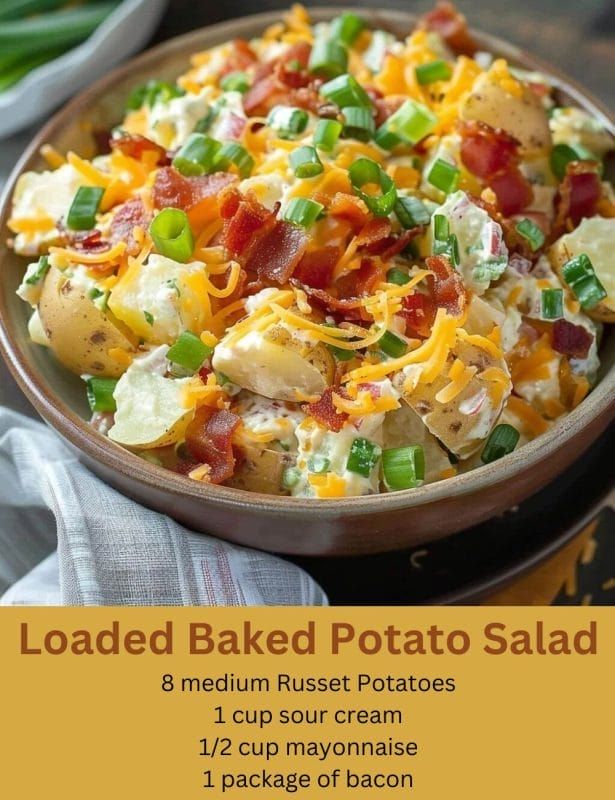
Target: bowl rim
{"points": [[101, 449]]}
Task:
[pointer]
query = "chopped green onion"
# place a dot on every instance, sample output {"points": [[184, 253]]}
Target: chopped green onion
{"points": [[305, 163], [502, 441], [563, 154], [172, 235], [205, 123], [345, 91], [42, 268], [449, 248], [189, 351], [441, 227], [375, 53], [341, 354], [579, 274], [531, 233], [149, 318], [318, 464], [552, 303], [410, 123], [443, 176], [434, 71], [363, 457], [392, 345], [287, 120], [327, 133], [235, 82], [358, 123], [234, 153], [100, 394], [364, 171], [346, 28], [196, 156], [83, 210], [397, 276], [410, 212], [328, 58], [152, 92], [403, 467], [99, 298], [221, 378], [291, 477], [302, 211]]}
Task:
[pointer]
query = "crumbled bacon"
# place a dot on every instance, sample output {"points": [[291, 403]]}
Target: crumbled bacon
{"points": [[324, 412], [452, 27], [419, 311], [492, 155], [130, 215], [579, 194], [316, 267], [173, 190], [278, 252], [209, 441], [240, 58], [571, 340], [349, 207], [135, 146], [245, 219], [446, 285]]}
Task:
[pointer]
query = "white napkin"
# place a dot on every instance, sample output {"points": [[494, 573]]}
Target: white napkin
{"points": [[112, 551]]}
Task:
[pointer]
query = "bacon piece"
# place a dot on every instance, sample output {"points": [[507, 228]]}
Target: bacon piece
{"points": [[375, 235], [129, 216], [278, 252], [172, 190], [316, 267], [419, 311], [452, 27], [257, 101], [399, 243], [486, 151], [579, 194], [571, 340], [135, 146], [446, 285], [240, 58], [246, 219], [209, 441], [351, 208], [324, 412], [513, 190]]}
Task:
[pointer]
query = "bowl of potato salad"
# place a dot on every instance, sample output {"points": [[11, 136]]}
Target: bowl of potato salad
{"points": [[332, 283]]}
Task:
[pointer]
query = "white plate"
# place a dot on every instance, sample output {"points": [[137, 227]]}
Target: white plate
{"points": [[124, 32]]}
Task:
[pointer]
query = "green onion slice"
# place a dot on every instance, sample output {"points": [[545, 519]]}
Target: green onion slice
{"points": [[152, 92], [410, 212], [326, 134], [563, 154], [345, 91], [305, 163], [392, 345], [443, 176], [42, 268], [302, 211], [291, 477], [172, 235], [365, 172], [552, 303], [319, 463], [235, 82], [579, 274], [234, 153], [410, 123], [441, 227], [100, 394], [196, 156], [434, 71], [502, 441], [287, 120], [328, 57], [363, 457], [403, 467], [449, 248], [189, 351], [397, 276], [83, 209], [346, 28], [358, 123], [531, 233]]}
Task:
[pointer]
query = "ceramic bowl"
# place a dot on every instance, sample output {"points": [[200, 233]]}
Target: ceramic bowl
{"points": [[286, 525]]}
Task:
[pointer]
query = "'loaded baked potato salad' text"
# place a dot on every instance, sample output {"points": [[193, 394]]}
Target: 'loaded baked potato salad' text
{"points": [[328, 262]]}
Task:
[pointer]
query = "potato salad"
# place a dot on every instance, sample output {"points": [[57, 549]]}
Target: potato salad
{"points": [[328, 262]]}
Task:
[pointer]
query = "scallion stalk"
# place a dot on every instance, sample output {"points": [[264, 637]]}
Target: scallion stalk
{"points": [[170, 230]]}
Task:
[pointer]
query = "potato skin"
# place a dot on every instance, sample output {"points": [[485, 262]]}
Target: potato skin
{"points": [[79, 334], [522, 117], [261, 471]]}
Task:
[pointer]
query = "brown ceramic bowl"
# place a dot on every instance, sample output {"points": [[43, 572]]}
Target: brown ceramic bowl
{"points": [[287, 525]]}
